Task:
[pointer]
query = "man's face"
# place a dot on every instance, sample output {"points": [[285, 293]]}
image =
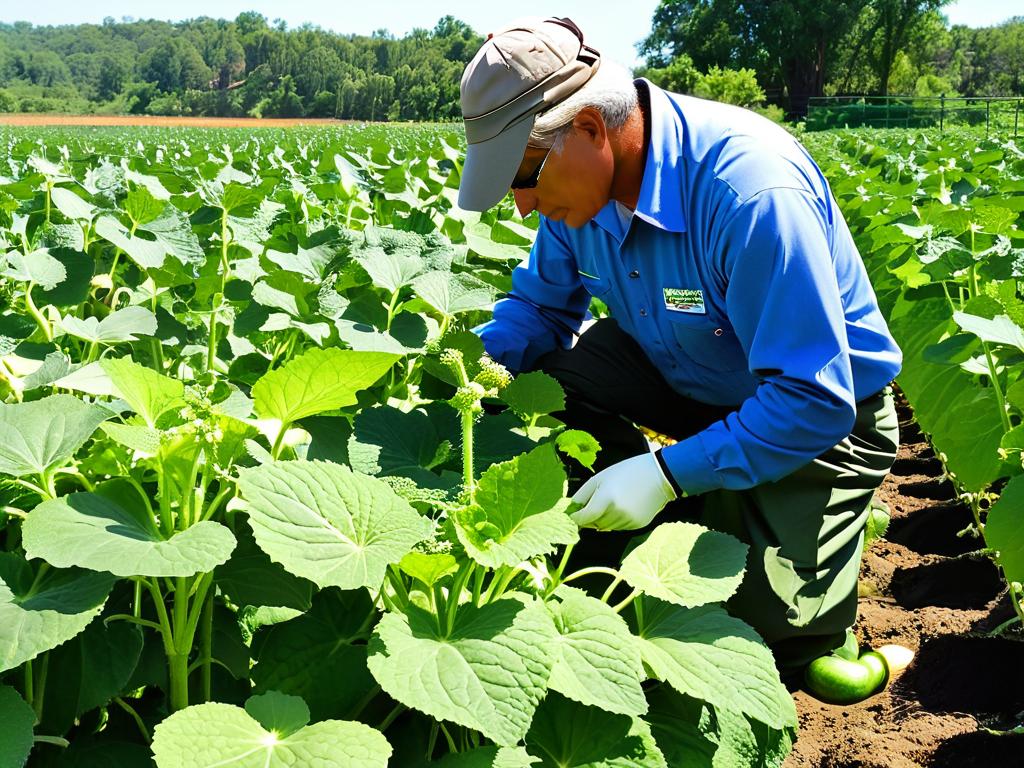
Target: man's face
{"points": [[575, 183]]}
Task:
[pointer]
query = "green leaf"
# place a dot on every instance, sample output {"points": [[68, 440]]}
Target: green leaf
{"points": [[37, 267], [485, 757], [37, 614], [489, 673], [148, 254], [308, 262], [141, 206], [520, 511], [387, 441], [328, 524], [390, 271], [211, 735], [319, 380], [428, 568], [123, 325], [320, 656], [88, 671], [41, 434], [566, 734], [534, 394], [706, 653], [686, 564], [115, 533], [451, 293], [71, 205], [580, 445], [1004, 529], [999, 330], [597, 661], [150, 394], [249, 577], [278, 712], [16, 736], [691, 733], [136, 437]]}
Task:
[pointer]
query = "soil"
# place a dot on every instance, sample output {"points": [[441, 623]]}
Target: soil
{"points": [[925, 587], [155, 120]]}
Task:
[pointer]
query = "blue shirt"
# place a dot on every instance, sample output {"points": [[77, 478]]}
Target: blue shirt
{"points": [[738, 277]]}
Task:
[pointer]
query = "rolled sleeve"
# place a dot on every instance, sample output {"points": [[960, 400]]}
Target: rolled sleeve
{"points": [[783, 300], [546, 306]]}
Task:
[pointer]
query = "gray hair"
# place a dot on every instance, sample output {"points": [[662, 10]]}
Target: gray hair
{"points": [[610, 91]]}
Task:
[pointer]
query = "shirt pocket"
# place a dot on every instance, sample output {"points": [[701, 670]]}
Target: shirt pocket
{"points": [[708, 343]]}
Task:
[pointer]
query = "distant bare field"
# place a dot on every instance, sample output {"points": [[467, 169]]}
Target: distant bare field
{"points": [[131, 120]]}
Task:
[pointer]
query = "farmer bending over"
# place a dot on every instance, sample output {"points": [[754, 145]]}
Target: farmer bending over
{"points": [[743, 323]]}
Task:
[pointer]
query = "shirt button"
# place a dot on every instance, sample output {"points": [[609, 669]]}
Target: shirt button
{"points": [[718, 331], [634, 273], [643, 313]]}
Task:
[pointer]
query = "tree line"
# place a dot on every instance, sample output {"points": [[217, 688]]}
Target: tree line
{"points": [[781, 52], [796, 49], [246, 66]]}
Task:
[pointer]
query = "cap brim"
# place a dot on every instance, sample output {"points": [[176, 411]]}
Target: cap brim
{"points": [[491, 166]]}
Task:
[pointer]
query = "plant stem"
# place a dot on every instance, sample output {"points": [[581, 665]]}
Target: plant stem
{"points": [[467, 454], [629, 599], [37, 705], [41, 321], [611, 589], [206, 646], [587, 571], [134, 716], [275, 449], [394, 713]]}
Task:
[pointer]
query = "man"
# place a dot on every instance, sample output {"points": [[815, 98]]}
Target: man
{"points": [[743, 324]]}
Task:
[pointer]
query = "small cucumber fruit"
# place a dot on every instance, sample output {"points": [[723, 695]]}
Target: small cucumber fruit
{"points": [[837, 680]]}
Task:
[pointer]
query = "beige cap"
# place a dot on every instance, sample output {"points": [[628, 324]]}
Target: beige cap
{"points": [[520, 71]]}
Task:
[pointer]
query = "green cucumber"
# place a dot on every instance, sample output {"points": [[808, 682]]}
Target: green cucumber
{"points": [[836, 680]]}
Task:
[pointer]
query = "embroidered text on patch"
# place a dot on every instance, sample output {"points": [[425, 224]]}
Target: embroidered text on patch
{"points": [[689, 300]]}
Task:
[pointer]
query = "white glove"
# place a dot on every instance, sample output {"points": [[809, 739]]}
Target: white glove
{"points": [[625, 496]]}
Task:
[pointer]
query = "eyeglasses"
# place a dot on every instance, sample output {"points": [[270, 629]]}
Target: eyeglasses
{"points": [[534, 178]]}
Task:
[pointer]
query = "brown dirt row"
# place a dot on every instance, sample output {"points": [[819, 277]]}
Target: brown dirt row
{"points": [[923, 587]]}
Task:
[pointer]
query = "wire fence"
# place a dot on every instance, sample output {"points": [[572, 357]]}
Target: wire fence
{"points": [[997, 114]]}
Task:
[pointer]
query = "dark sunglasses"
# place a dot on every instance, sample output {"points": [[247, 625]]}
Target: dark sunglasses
{"points": [[534, 178]]}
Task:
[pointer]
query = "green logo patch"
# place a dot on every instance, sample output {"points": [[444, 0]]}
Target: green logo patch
{"points": [[689, 300]]}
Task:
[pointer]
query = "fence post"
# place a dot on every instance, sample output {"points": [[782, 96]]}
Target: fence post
{"points": [[987, 103], [1016, 116], [942, 111]]}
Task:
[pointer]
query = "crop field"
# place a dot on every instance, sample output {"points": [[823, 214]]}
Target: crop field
{"points": [[264, 501]]}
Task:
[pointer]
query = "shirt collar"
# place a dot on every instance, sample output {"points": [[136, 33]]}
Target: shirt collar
{"points": [[660, 202]]}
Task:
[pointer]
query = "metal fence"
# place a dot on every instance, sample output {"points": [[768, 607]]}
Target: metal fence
{"points": [[998, 114]]}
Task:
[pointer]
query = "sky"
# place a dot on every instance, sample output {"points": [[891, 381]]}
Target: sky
{"points": [[614, 29]]}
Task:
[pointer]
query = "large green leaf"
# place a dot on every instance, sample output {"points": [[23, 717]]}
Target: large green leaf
{"points": [[706, 653], [328, 524], [686, 564], [998, 330], [520, 511], [42, 610], [1004, 529], [249, 577], [489, 673], [319, 380], [16, 736], [88, 671], [115, 533], [692, 733], [566, 734], [320, 656], [387, 441], [123, 325], [597, 660], [41, 434], [212, 735], [36, 267], [150, 394], [451, 293]]}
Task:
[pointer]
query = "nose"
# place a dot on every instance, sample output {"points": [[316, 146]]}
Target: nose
{"points": [[526, 201]]}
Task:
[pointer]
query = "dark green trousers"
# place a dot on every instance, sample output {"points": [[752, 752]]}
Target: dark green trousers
{"points": [[805, 531]]}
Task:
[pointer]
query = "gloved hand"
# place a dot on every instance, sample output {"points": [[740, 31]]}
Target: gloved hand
{"points": [[625, 496]]}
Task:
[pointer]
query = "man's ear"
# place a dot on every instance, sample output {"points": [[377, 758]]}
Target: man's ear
{"points": [[590, 124]]}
